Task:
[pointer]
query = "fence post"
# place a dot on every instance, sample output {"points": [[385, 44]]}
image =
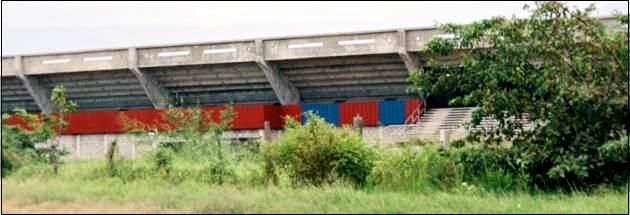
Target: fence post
{"points": [[357, 122], [444, 137], [267, 131], [104, 144], [380, 133], [133, 150], [77, 147]]}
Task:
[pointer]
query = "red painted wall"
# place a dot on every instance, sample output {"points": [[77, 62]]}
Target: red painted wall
{"points": [[366, 109]]}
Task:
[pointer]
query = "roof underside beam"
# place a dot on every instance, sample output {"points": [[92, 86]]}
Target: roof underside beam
{"points": [[40, 94], [157, 94], [283, 88]]}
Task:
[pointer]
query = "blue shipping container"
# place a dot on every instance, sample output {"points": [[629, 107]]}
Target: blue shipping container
{"points": [[391, 112], [329, 111]]}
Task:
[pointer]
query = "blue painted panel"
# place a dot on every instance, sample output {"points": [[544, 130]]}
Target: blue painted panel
{"points": [[391, 112], [329, 111]]}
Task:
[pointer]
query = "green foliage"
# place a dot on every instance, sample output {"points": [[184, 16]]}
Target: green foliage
{"points": [[457, 143], [18, 144], [18, 149], [613, 161], [493, 168], [318, 153], [560, 67], [77, 187], [188, 133], [163, 160], [440, 46], [416, 170]]}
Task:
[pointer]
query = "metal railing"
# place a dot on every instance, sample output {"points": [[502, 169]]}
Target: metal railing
{"points": [[416, 114]]}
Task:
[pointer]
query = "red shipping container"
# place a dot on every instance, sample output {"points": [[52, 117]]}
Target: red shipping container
{"points": [[93, 122], [248, 116], [366, 109], [150, 117], [272, 114], [291, 110]]}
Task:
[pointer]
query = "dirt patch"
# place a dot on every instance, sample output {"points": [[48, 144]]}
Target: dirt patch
{"points": [[13, 207]]}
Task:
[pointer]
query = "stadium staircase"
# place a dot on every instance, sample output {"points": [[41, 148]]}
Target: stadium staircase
{"points": [[427, 123]]}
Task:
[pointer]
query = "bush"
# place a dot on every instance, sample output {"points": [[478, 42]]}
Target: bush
{"points": [[493, 168], [318, 153], [163, 157], [613, 162], [18, 147], [416, 170]]}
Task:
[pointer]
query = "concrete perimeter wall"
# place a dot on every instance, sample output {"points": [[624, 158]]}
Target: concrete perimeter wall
{"points": [[94, 146]]}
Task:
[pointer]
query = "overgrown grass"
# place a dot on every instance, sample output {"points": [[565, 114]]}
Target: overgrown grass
{"points": [[78, 183], [202, 177]]}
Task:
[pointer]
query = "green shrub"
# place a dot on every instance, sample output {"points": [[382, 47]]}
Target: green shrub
{"points": [[416, 170], [493, 168], [613, 162], [478, 159], [318, 153], [457, 143], [18, 147], [162, 157]]}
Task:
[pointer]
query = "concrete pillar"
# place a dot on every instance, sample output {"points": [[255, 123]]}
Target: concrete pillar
{"points": [[157, 94], [40, 94], [284, 89], [411, 61], [267, 131]]}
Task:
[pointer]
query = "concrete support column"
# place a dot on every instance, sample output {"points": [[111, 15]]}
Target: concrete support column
{"points": [[411, 61], [284, 89], [157, 94], [40, 94]]}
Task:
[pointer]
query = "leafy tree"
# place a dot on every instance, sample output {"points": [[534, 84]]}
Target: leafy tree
{"points": [[560, 67], [19, 143], [59, 123]]}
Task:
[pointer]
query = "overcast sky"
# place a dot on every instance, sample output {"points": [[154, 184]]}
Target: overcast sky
{"points": [[36, 27]]}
